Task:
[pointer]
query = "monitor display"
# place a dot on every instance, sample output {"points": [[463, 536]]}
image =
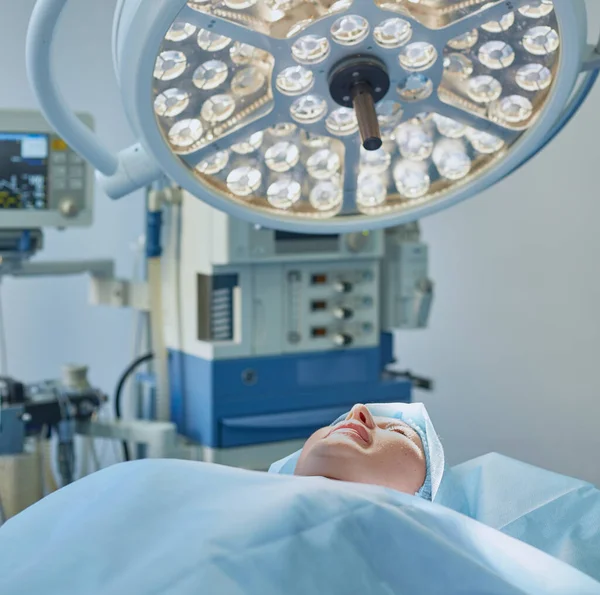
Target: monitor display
{"points": [[24, 171]]}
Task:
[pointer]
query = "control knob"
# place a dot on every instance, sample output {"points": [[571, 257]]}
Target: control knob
{"points": [[343, 287], [342, 340], [68, 207], [343, 313]]}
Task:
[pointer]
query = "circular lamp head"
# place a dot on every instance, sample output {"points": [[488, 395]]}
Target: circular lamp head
{"points": [[263, 108]]}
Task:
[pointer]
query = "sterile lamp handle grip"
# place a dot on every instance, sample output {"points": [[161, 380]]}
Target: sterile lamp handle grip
{"points": [[119, 174]]}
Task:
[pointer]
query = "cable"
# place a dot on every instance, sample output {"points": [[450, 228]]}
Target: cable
{"points": [[65, 432], [3, 518], [119, 392], [94, 453], [3, 348], [105, 415], [65, 454], [84, 456], [50, 483]]}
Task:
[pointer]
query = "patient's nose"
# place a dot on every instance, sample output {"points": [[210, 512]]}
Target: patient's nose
{"points": [[360, 413]]}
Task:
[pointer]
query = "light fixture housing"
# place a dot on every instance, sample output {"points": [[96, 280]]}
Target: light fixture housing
{"points": [[233, 100]]}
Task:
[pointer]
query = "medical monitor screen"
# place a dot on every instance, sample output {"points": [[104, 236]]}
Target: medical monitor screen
{"points": [[23, 171]]}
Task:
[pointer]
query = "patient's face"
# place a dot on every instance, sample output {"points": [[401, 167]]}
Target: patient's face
{"points": [[366, 449]]}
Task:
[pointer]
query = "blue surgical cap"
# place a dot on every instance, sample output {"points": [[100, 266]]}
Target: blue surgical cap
{"points": [[416, 416]]}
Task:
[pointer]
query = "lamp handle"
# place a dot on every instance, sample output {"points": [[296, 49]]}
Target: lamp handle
{"points": [[119, 174]]}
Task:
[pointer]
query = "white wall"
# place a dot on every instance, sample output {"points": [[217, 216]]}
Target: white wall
{"points": [[49, 322], [514, 341]]}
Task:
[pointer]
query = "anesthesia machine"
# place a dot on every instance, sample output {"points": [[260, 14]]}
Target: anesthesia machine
{"points": [[272, 333], [288, 148]]}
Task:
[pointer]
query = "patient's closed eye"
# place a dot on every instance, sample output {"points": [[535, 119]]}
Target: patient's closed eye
{"points": [[398, 429]]}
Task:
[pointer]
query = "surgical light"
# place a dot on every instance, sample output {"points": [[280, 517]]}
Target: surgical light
{"points": [[329, 116]]}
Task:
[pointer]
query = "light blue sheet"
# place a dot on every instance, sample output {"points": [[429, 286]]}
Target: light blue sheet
{"points": [[188, 528], [557, 514]]}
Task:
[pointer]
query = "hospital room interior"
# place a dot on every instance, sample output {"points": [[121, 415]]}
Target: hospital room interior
{"points": [[299, 297]]}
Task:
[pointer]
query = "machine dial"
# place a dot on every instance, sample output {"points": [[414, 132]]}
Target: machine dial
{"points": [[343, 313], [343, 287], [68, 207], [342, 340]]}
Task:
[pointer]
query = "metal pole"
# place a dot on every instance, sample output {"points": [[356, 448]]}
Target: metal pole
{"points": [[368, 124]]}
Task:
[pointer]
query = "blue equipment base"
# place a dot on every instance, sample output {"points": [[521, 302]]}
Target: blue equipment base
{"points": [[246, 401]]}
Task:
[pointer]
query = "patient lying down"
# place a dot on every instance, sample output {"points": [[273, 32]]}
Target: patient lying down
{"points": [[367, 449], [396, 446], [392, 445], [176, 526]]}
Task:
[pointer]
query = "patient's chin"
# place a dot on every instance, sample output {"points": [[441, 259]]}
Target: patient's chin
{"points": [[335, 459]]}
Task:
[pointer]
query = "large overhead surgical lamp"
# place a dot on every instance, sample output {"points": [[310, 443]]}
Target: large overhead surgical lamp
{"points": [[329, 116]]}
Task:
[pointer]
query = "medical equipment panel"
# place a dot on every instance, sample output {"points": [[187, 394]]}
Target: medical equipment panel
{"points": [[330, 305], [292, 308], [239, 293], [43, 182], [271, 333]]}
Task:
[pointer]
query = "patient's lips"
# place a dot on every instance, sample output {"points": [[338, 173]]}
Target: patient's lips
{"points": [[354, 429]]}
